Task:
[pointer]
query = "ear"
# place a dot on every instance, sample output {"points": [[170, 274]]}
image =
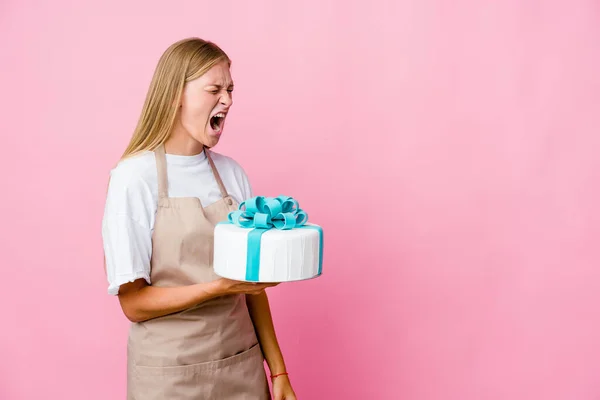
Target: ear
{"points": [[178, 102]]}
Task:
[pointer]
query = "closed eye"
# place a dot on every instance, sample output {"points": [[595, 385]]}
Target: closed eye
{"points": [[216, 91]]}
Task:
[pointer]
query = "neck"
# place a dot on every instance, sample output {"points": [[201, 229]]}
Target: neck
{"points": [[181, 143]]}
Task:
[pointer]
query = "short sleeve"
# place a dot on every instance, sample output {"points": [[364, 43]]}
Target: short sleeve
{"points": [[127, 230]]}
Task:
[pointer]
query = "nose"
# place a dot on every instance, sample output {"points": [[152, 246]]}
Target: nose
{"points": [[226, 99]]}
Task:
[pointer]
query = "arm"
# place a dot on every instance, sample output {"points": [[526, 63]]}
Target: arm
{"points": [[258, 306], [141, 302]]}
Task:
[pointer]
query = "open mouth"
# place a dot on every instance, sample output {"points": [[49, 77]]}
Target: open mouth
{"points": [[216, 122]]}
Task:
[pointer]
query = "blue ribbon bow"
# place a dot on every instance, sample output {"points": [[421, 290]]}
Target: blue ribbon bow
{"points": [[264, 213], [280, 212]]}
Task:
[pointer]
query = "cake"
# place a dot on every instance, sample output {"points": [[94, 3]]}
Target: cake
{"points": [[268, 239]]}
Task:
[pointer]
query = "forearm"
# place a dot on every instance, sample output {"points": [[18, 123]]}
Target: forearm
{"points": [[141, 302], [258, 306]]}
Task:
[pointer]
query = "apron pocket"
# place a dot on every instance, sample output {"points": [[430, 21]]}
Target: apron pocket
{"points": [[241, 376]]}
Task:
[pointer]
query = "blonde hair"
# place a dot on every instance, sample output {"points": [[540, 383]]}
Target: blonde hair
{"points": [[183, 61]]}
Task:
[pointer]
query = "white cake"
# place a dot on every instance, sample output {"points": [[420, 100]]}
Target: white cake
{"points": [[282, 255]]}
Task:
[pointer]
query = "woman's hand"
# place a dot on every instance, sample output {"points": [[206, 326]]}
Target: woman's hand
{"points": [[229, 286], [282, 389]]}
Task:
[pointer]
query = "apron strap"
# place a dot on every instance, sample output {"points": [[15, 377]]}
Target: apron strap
{"points": [[161, 171], [216, 173]]}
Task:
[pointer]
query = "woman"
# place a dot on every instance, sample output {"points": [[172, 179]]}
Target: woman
{"points": [[193, 335]]}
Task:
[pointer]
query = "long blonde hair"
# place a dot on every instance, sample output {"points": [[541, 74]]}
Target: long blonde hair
{"points": [[182, 62]]}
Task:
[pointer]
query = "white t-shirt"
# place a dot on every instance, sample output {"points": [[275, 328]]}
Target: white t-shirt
{"points": [[132, 200]]}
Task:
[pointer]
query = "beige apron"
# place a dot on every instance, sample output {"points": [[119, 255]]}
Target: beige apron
{"points": [[209, 351]]}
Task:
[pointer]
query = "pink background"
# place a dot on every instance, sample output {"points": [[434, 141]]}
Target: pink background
{"points": [[457, 140]]}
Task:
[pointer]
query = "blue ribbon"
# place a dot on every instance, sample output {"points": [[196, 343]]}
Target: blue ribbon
{"points": [[281, 212], [265, 213]]}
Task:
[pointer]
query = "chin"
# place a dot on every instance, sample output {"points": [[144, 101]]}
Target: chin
{"points": [[210, 142], [204, 139]]}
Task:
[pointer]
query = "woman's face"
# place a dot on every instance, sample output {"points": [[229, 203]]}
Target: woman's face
{"points": [[205, 103]]}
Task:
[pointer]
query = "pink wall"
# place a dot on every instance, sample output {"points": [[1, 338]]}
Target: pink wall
{"points": [[458, 139]]}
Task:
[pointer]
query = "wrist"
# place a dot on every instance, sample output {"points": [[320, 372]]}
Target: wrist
{"points": [[282, 374], [276, 365], [216, 288]]}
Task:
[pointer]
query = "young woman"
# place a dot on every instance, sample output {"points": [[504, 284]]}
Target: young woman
{"points": [[193, 335]]}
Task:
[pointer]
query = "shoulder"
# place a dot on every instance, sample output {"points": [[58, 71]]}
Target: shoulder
{"points": [[233, 175], [227, 162], [132, 189], [135, 172], [228, 165]]}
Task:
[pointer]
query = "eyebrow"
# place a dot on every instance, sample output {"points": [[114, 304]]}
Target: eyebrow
{"points": [[218, 86]]}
